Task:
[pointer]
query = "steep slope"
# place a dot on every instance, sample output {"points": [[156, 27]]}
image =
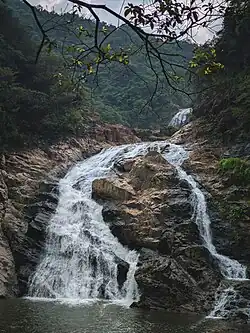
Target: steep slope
{"points": [[121, 93]]}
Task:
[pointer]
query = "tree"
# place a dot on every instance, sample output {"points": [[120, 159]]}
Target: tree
{"points": [[155, 24], [38, 102], [226, 105]]}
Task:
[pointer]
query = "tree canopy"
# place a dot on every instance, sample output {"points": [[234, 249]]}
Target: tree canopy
{"points": [[138, 73], [128, 93], [226, 103]]}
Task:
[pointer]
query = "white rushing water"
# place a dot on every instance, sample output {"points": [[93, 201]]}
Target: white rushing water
{"points": [[181, 118], [231, 269], [81, 255]]}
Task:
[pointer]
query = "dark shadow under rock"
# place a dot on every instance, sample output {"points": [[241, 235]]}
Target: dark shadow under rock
{"points": [[165, 284]]}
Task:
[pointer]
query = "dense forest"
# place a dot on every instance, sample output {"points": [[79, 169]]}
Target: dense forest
{"points": [[225, 100], [36, 102], [122, 92], [39, 101]]}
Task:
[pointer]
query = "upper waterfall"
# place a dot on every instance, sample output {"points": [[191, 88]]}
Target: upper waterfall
{"points": [[181, 118]]}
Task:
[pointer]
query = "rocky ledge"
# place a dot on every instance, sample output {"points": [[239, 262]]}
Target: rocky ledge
{"points": [[148, 209], [28, 197]]}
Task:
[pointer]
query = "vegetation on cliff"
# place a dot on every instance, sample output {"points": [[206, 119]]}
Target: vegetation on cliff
{"points": [[225, 101], [237, 169]]}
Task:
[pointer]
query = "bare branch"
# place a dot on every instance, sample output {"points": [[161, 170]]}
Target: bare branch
{"points": [[45, 37]]}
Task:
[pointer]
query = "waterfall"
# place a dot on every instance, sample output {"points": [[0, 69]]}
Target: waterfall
{"points": [[81, 258], [181, 118], [231, 269]]}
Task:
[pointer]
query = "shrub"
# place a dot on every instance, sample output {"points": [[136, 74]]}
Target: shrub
{"points": [[238, 169]]}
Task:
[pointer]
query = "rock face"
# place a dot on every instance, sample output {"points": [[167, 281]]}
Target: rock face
{"points": [[228, 203], [29, 194], [112, 188], [148, 209]]}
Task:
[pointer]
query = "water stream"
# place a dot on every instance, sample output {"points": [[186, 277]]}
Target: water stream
{"points": [[181, 118], [82, 257], [231, 269]]}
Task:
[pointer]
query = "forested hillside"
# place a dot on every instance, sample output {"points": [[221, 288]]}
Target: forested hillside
{"points": [[121, 93], [225, 102], [36, 101]]}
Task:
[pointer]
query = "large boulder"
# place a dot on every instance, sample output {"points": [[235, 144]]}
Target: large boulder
{"points": [[122, 271], [165, 283], [149, 209]]}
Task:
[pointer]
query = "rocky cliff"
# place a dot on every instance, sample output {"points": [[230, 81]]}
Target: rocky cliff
{"points": [[228, 201], [149, 209], [28, 196]]}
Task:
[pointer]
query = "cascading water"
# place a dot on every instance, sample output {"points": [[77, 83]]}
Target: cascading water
{"points": [[81, 259], [82, 256], [181, 118], [231, 269]]}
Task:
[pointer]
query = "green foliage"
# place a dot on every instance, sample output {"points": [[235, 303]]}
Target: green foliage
{"points": [[225, 97], [173, 19], [205, 61], [37, 101], [128, 89], [237, 169], [125, 83]]}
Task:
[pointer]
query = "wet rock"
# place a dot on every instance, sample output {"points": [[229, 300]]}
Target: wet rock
{"points": [[125, 165], [198, 262], [175, 271], [29, 195], [236, 303], [164, 284], [112, 188], [122, 271], [176, 236], [110, 212]]}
